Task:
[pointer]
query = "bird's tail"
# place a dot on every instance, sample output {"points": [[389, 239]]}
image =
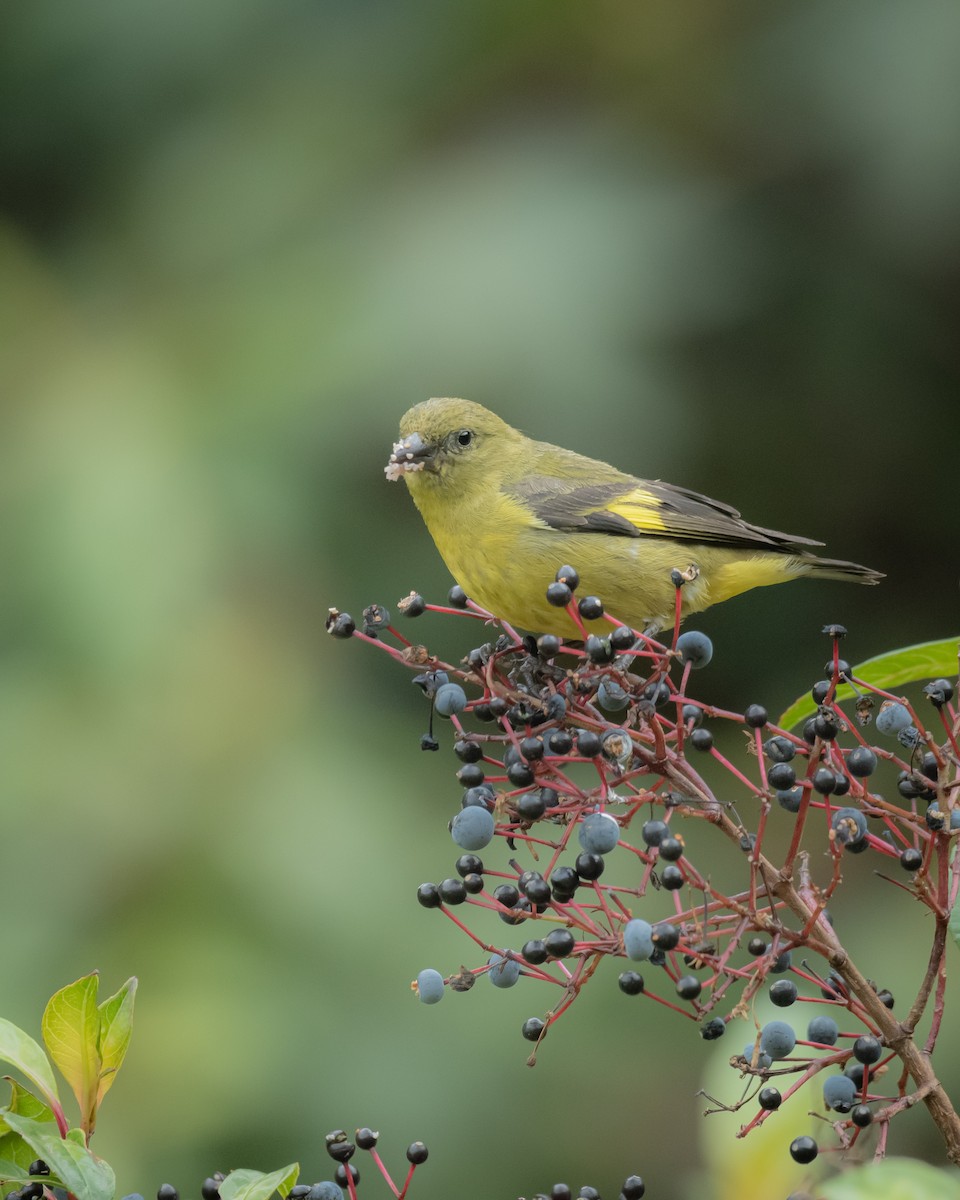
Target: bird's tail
{"points": [[836, 568]]}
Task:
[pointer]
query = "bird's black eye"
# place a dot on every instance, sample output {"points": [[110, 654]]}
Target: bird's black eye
{"points": [[464, 437]]}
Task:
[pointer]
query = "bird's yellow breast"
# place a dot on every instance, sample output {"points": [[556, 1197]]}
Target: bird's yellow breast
{"points": [[480, 540]]}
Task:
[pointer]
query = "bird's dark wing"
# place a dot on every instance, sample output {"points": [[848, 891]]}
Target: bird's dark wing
{"points": [[644, 508]]}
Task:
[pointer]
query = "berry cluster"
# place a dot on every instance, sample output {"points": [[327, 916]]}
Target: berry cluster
{"points": [[341, 1149], [209, 1189], [633, 1188], [346, 1179], [579, 757]]}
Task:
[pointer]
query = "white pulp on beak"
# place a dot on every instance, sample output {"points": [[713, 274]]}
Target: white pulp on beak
{"points": [[401, 461]]}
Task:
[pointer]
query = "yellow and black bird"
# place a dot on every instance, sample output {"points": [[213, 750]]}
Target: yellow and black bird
{"points": [[507, 512]]}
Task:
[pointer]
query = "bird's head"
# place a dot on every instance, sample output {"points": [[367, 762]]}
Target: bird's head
{"points": [[446, 440]]}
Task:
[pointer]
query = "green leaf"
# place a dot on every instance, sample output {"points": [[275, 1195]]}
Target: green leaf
{"points": [[894, 1179], [909, 664], [71, 1029], [13, 1149], [22, 1101], [244, 1184], [116, 1026], [80, 1171], [22, 1052], [11, 1172]]}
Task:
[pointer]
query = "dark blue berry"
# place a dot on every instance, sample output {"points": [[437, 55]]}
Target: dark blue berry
{"points": [[861, 762], [452, 891], [599, 650], [470, 775], [339, 625], [428, 895], [564, 880], [530, 806], [779, 749], [589, 866], [559, 943], [939, 692], [559, 742], [653, 831], [665, 935], [588, 744], [867, 1050], [570, 576], [532, 1028], [804, 1149], [783, 993], [781, 776], [413, 605], [631, 983], [534, 951], [622, 638]]}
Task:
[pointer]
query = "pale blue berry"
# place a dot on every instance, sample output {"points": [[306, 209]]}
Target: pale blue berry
{"points": [[450, 699], [504, 972], [430, 986], [472, 828], [598, 833], [777, 1039], [839, 1092], [638, 939]]}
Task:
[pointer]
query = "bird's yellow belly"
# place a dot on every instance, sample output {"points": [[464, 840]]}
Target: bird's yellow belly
{"points": [[509, 576], [506, 564]]}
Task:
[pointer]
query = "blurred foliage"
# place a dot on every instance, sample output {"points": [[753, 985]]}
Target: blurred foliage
{"points": [[713, 243]]}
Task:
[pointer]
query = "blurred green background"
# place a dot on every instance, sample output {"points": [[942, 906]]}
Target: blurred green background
{"points": [[714, 243]]}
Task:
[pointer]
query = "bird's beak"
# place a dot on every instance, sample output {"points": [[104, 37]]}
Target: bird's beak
{"points": [[411, 453]]}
